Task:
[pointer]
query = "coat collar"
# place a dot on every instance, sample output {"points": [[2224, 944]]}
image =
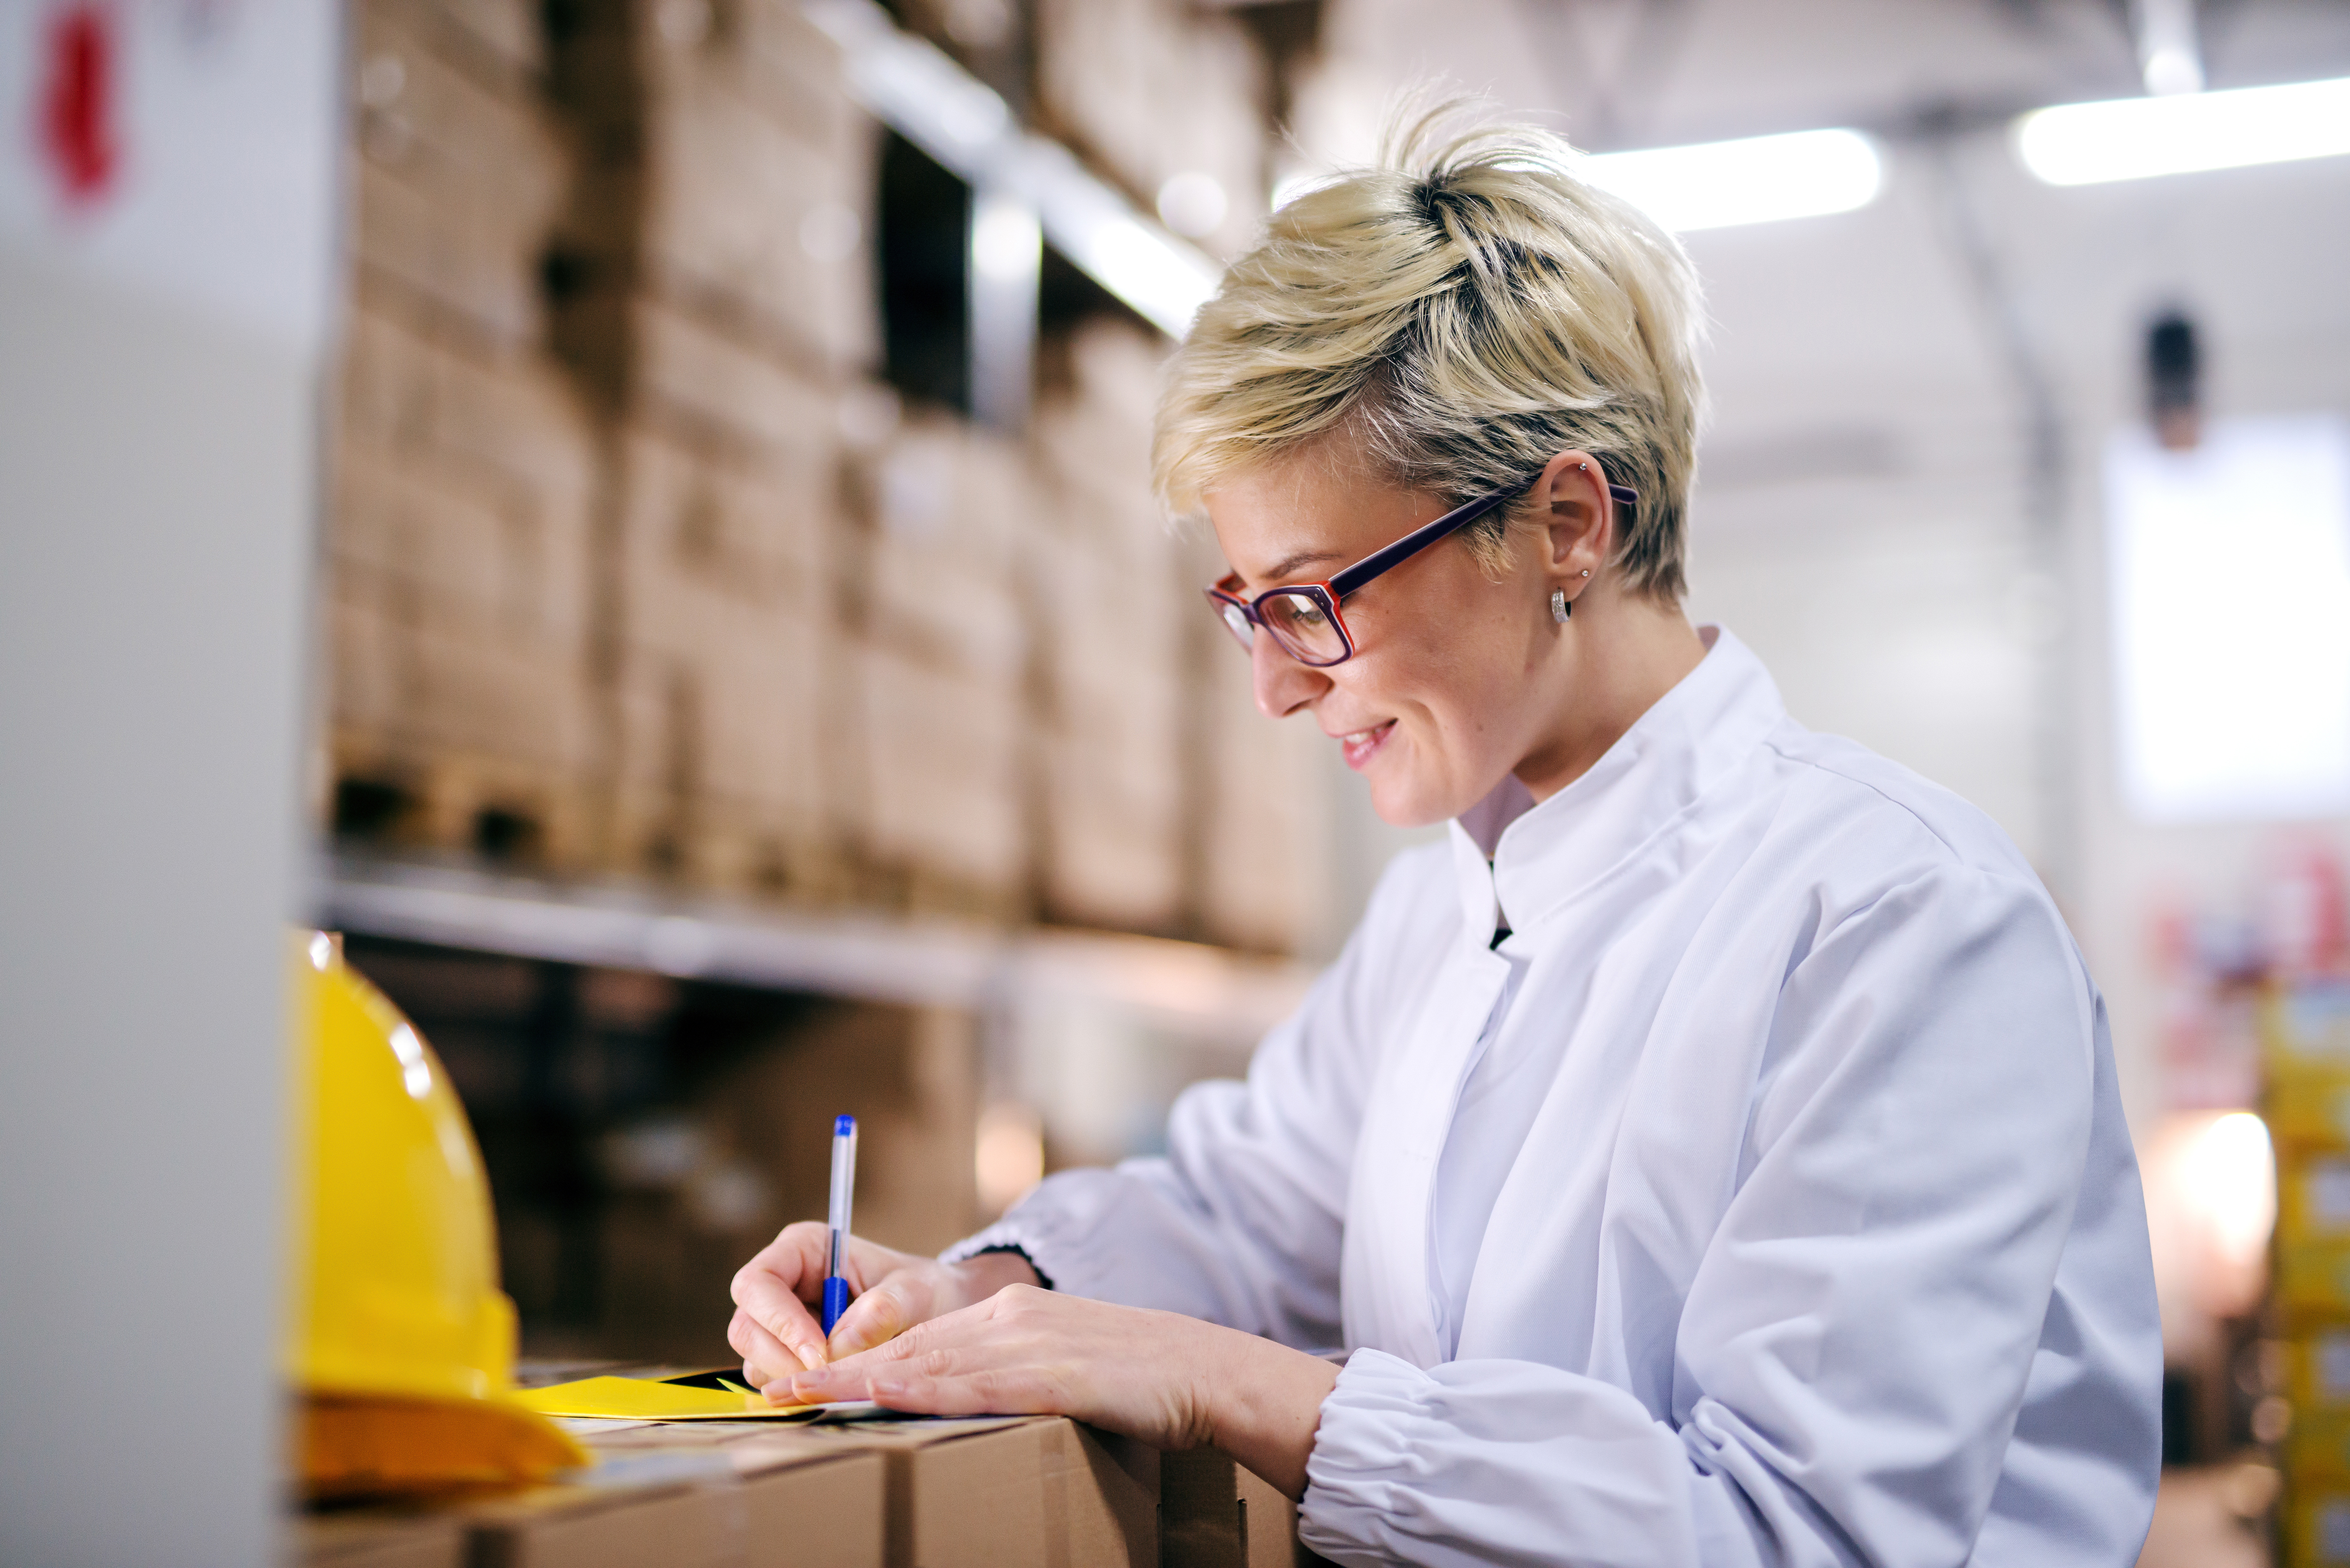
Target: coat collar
{"points": [[1543, 854]]}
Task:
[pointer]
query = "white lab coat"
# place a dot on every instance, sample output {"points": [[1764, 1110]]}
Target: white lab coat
{"points": [[1764, 1198]]}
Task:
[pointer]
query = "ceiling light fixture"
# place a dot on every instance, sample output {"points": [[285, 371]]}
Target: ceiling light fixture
{"points": [[2139, 137], [914, 88], [1754, 180], [2169, 50]]}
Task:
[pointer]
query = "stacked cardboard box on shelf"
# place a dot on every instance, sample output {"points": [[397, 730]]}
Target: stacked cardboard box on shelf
{"points": [[941, 634], [635, 568], [1171, 803], [1153, 88], [1118, 769], [749, 316], [2306, 1030], [464, 470], [672, 1240]]}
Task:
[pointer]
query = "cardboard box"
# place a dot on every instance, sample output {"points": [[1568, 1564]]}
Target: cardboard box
{"points": [[1268, 886], [942, 754], [497, 37], [1023, 1489], [954, 1494], [460, 172], [511, 428], [1214, 1514], [699, 1501], [910, 1076], [1051, 1491], [705, 379], [1147, 88], [749, 132], [377, 1540]]}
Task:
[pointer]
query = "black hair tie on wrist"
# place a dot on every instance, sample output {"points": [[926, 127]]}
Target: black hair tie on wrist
{"points": [[1022, 1252]]}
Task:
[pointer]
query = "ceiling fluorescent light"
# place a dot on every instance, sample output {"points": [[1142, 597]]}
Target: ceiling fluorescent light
{"points": [[2137, 138], [917, 91], [1756, 180]]}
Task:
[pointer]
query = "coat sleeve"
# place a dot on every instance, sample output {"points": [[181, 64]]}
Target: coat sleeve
{"points": [[1854, 1346], [1241, 1222]]}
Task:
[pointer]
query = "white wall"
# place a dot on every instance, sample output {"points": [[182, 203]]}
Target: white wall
{"points": [[1860, 516], [158, 351], [1897, 606]]}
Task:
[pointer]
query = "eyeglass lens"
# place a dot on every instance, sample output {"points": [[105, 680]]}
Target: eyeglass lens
{"points": [[1302, 625]]}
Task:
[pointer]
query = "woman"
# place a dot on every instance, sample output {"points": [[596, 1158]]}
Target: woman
{"points": [[1712, 1154]]}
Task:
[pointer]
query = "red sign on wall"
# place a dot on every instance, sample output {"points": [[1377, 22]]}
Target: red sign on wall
{"points": [[80, 102]]}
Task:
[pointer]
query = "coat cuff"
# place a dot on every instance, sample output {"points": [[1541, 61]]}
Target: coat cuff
{"points": [[1051, 1232], [1361, 1448]]}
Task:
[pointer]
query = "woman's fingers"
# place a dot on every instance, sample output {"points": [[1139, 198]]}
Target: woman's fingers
{"points": [[965, 1364], [765, 1358], [782, 1316], [896, 1304], [981, 1393], [959, 1345], [867, 1263], [797, 1255], [769, 1289], [874, 1318], [774, 1289], [1028, 1350], [844, 1376]]}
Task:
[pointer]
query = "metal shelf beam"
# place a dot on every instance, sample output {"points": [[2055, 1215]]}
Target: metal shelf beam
{"points": [[1183, 987]]}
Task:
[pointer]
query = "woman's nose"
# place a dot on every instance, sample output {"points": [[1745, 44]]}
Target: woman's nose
{"points": [[1283, 685]]}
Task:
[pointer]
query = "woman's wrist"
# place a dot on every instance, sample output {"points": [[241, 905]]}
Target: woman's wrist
{"points": [[987, 1273], [1265, 1405]]}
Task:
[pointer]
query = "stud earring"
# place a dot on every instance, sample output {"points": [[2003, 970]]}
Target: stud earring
{"points": [[1560, 608], [1586, 571]]}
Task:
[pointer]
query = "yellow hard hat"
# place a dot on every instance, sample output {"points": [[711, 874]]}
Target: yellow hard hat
{"points": [[402, 1344]]}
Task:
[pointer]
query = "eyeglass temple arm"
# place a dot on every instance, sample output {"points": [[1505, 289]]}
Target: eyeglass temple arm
{"points": [[1413, 543], [1421, 538]]}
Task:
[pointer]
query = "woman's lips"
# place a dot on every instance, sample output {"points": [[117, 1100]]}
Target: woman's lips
{"points": [[1361, 744]]}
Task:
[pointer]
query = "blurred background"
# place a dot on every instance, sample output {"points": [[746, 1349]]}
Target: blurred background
{"points": [[655, 491]]}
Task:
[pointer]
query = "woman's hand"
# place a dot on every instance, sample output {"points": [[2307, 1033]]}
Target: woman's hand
{"points": [[775, 1334], [1171, 1381]]}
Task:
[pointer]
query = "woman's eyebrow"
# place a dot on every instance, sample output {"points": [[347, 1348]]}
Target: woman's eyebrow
{"points": [[1289, 564]]}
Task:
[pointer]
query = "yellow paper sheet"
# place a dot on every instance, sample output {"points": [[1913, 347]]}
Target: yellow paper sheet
{"points": [[636, 1399]]}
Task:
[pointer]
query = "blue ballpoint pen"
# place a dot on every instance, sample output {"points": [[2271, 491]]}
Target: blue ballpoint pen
{"points": [[843, 1192]]}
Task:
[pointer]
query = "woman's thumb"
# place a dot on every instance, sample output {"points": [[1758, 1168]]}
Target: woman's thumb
{"points": [[874, 1318]]}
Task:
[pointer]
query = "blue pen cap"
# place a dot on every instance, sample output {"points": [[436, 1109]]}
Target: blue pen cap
{"points": [[843, 1182]]}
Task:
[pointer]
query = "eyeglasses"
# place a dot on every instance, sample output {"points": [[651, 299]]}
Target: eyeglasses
{"points": [[1304, 618]]}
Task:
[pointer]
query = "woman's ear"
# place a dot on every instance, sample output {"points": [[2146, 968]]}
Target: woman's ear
{"points": [[1578, 518]]}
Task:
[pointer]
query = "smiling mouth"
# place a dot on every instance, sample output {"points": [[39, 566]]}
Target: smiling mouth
{"points": [[1361, 745]]}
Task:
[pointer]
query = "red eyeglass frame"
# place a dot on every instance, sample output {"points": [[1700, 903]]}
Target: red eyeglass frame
{"points": [[1329, 593]]}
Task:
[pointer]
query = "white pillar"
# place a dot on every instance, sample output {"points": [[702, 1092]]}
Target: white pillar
{"points": [[2169, 46], [166, 223]]}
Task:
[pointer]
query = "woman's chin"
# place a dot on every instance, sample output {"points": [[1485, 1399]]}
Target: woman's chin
{"points": [[1399, 802]]}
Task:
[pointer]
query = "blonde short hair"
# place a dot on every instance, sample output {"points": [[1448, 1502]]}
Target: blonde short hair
{"points": [[1464, 312]]}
